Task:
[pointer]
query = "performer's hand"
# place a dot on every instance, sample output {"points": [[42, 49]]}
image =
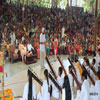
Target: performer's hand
{"points": [[77, 88]]}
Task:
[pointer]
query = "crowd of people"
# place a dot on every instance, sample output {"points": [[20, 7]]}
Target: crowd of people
{"points": [[67, 37]]}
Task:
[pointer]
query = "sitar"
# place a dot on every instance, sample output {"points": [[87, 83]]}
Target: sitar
{"points": [[55, 83], [93, 82], [94, 71], [62, 65], [53, 72], [71, 72], [72, 64], [75, 78], [36, 78]]}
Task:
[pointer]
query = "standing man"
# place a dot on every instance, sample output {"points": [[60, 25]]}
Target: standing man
{"points": [[63, 31], [42, 47]]}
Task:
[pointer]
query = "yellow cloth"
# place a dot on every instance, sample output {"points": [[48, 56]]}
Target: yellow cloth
{"points": [[99, 46], [27, 34], [1, 58], [8, 46], [79, 67]]}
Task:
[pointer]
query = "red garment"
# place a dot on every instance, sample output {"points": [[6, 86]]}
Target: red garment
{"points": [[55, 45], [1, 69]]}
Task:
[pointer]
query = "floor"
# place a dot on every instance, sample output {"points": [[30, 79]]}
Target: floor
{"points": [[17, 74]]}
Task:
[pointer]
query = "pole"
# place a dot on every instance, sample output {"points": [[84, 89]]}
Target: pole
{"points": [[67, 11], [23, 13], [27, 2], [70, 15], [96, 19]]}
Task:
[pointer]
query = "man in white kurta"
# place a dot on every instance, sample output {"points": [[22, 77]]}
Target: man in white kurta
{"points": [[13, 38], [84, 94], [63, 31], [26, 88], [42, 47]]}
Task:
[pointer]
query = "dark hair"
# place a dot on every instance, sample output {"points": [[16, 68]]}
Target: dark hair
{"points": [[30, 86], [66, 85], [98, 74], [94, 53], [60, 70], [46, 75], [85, 58], [87, 61], [99, 50], [94, 61], [70, 67], [84, 74], [76, 60]]}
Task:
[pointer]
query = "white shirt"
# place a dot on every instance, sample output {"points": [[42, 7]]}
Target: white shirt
{"points": [[42, 39], [29, 46], [63, 94], [63, 32], [55, 92], [44, 95], [25, 94], [97, 60], [84, 94], [97, 90], [71, 86]]}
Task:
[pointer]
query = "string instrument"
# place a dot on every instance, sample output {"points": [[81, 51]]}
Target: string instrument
{"points": [[94, 71], [53, 72], [77, 82], [93, 82], [62, 65], [72, 65], [55, 83], [36, 78]]}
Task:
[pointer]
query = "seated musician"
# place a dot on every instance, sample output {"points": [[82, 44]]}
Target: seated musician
{"points": [[45, 89], [30, 48], [66, 92], [60, 80], [29, 89], [84, 93]]}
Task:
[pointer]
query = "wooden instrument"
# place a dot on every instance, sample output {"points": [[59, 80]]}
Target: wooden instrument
{"points": [[93, 82], [53, 72], [77, 82], [94, 71], [72, 65], [55, 83], [36, 78], [62, 65]]}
